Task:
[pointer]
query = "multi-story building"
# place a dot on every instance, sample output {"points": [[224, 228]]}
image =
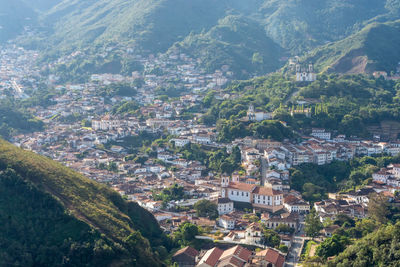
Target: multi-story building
{"points": [[258, 196]]}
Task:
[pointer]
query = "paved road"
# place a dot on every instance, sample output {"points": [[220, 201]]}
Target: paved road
{"points": [[295, 251]]}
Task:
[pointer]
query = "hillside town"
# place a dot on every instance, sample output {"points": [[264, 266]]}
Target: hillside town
{"points": [[83, 132]]}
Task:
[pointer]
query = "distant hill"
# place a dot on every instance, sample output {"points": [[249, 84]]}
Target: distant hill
{"points": [[53, 216], [236, 41], [157, 24], [300, 25], [373, 48], [14, 15], [210, 29], [153, 25]]}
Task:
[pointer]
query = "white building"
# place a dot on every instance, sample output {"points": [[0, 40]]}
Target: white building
{"points": [[180, 142], [304, 74], [254, 115], [226, 222], [225, 205], [321, 134]]}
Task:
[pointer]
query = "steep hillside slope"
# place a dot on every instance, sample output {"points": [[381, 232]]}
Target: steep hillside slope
{"points": [[151, 24], [56, 216], [380, 248], [373, 48], [236, 41], [157, 24], [14, 15], [204, 28], [299, 25]]}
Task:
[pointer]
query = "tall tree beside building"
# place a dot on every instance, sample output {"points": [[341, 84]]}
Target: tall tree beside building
{"points": [[313, 224]]}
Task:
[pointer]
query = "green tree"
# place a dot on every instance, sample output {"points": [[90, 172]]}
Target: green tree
{"points": [[378, 208], [271, 238], [313, 225], [332, 246], [186, 233], [206, 208]]}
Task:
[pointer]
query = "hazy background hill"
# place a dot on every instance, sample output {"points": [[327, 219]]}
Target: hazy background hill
{"points": [[372, 48], [14, 15], [235, 41], [216, 31], [302, 25]]}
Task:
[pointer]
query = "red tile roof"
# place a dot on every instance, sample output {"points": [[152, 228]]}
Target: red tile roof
{"points": [[241, 186], [266, 191], [187, 250], [214, 256], [238, 251], [272, 256]]}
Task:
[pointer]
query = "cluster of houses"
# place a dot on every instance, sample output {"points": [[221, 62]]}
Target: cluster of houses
{"points": [[17, 70], [236, 256], [82, 133], [388, 176]]}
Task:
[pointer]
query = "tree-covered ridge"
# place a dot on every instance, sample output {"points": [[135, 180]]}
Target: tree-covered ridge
{"points": [[36, 230], [98, 209], [157, 24], [14, 120], [371, 49], [380, 248], [316, 181], [210, 30], [235, 41], [347, 104], [302, 25]]}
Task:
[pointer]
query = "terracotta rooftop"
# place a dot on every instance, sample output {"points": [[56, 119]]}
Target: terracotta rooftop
{"points": [[272, 256], [266, 191], [188, 251], [238, 251], [241, 186], [212, 256]]}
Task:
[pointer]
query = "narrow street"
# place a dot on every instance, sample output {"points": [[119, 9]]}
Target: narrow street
{"points": [[295, 251]]}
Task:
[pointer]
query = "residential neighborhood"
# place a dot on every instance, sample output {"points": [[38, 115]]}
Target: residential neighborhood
{"points": [[83, 131]]}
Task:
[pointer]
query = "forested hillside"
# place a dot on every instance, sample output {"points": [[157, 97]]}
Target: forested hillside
{"points": [[53, 216], [14, 120], [380, 248], [236, 41], [347, 104], [371, 49], [251, 34]]}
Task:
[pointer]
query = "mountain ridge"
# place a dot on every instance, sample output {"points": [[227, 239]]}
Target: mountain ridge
{"points": [[371, 49]]}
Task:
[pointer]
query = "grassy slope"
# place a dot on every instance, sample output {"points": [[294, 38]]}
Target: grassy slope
{"points": [[86, 200], [373, 48]]}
